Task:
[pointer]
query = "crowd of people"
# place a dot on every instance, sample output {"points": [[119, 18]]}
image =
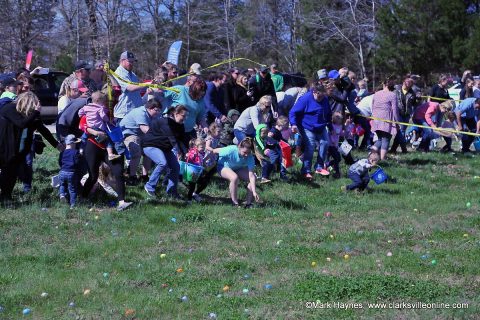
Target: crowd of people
{"points": [[225, 123]]}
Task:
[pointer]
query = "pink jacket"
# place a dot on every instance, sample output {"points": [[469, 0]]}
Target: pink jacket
{"points": [[96, 115], [425, 112]]}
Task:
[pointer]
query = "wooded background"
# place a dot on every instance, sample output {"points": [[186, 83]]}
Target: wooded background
{"points": [[372, 37]]}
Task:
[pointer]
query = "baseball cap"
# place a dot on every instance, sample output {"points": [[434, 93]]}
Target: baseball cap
{"points": [[196, 68], [333, 74], [71, 139], [127, 55], [78, 84], [82, 64], [264, 69], [11, 82], [322, 74], [274, 66]]}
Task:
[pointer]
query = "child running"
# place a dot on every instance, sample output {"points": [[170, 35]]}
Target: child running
{"points": [[197, 155]]}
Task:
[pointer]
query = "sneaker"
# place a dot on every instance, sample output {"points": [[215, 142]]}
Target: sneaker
{"points": [[63, 199], [235, 204], [248, 206], [72, 207], [322, 172], [308, 176], [112, 157], [124, 206], [196, 197], [150, 193], [264, 180]]}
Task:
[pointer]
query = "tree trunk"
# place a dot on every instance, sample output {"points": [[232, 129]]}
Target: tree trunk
{"points": [[92, 18]]}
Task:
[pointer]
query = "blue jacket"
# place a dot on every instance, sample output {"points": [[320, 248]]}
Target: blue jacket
{"points": [[310, 114], [214, 100]]}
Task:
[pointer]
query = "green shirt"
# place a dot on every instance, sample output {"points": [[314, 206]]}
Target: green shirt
{"points": [[277, 79]]}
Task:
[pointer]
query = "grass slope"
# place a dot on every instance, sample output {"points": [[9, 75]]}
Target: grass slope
{"points": [[45, 247]]}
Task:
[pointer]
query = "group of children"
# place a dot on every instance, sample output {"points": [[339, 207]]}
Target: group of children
{"points": [[267, 143]]}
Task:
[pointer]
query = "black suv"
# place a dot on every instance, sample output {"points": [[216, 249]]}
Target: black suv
{"points": [[46, 87]]}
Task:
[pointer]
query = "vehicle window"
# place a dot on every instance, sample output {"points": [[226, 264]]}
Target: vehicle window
{"points": [[58, 79], [41, 84]]}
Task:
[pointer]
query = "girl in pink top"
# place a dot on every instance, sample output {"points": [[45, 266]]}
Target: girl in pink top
{"points": [[96, 115]]}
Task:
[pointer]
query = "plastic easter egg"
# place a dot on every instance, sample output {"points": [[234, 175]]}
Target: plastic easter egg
{"points": [[184, 299], [2, 309], [469, 204], [44, 295], [226, 288], [105, 275], [434, 262], [332, 236], [314, 264], [245, 291], [246, 276], [174, 220], [389, 254], [329, 259], [162, 256], [268, 286], [219, 295], [180, 270], [212, 315], [346, 257], [71, 304], [129, 312], [26, 311], [327, 214], [465, 235], [86, 292]]}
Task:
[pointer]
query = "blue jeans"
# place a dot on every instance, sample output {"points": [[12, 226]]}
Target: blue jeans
{"points": [[310, 140], [68, 179], [239, 135], [358, 181], [163, 160], [427, 135], [400, 136], [275, 158]]}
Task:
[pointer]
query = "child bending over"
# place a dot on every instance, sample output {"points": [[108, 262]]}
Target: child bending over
{"points": [[358, 172]]}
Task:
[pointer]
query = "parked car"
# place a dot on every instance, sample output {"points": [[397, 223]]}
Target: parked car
{"points": [[46, 87], [454, 92]]}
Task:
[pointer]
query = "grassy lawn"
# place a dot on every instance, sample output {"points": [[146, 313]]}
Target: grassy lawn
{"points": [[262, 263]]}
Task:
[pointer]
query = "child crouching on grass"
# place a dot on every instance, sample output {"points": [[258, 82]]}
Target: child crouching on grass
{"points": [[198, 156], [358, 172]]}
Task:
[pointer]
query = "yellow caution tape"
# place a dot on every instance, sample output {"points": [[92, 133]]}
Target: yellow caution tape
{"points": [[443, 99], [148, 85], [214, 66], [423, 126], [109, 91]]}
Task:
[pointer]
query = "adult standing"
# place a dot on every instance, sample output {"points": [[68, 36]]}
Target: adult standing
{"points": [[277, 78], [467, 90], [310, 116], [68, 119], [96, 153], [165, 133], [18, 122], [134, 126], [439, 90], [130, 97], [236, 163], [261, 85], [98, 75], [82, 72], [191, 97], [214, 98], [465, 113], [384, 106], [407, 101], [229, 86], [242, 99], [251, 117]]}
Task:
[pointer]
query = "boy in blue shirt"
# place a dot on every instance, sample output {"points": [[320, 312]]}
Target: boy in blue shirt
{"points": [[69, 164]]}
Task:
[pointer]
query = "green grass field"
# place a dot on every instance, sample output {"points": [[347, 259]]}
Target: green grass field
{"points": [[274, 259]]}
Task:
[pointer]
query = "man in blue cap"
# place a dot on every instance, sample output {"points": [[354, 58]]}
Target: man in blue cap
{"points": [[130, 97]]}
